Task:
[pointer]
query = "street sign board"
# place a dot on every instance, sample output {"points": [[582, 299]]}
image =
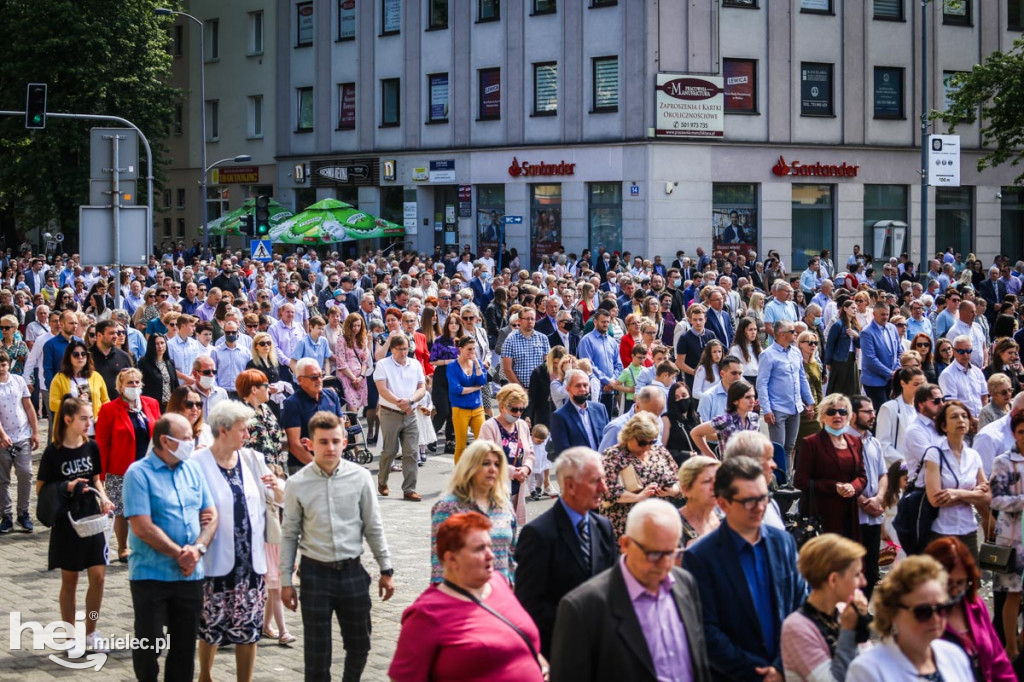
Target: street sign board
{"points": [[512, 220], [261, 250], [99, 192], [96, 235], [101, 151], [944, 160]]}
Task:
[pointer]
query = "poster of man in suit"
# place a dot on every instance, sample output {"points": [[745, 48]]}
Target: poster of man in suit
{"points": [[488, 228], [734, 229]]}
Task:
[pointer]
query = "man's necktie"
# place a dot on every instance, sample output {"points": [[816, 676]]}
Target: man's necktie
{"points": [[584, 528]]}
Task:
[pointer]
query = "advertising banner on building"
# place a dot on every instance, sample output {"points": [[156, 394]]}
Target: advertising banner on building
{"points": [[740, 85], [734, 229], [490, 94], [689, 106], [545, 221]]}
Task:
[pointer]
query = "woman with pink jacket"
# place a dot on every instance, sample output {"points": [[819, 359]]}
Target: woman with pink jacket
{"points": [[512, 433]]}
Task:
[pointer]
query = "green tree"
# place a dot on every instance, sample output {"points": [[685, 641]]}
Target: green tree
{"points": [[994, 92], [97, 57]]}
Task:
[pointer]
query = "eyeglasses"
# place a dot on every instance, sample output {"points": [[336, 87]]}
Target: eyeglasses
{"points": [[811, 343], [833, 411], [208, 372], [936, 401], [515, 410], [644, 443], [7, 327], [192, 404], [446, 298], [313, 377], [963, 351], [751, 503], [923, 345], [654, 556], [263, 385], [79, 354], [468, 318], [120, 332], [263, 344], [925, 612]]}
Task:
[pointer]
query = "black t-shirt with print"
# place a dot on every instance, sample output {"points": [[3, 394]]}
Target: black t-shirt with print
{"points": [[66, 464]]}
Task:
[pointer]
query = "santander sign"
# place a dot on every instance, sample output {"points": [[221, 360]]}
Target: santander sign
{"points": [[821, 170]]}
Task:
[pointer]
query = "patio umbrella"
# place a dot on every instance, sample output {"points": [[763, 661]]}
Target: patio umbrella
{"points": [[228, 224], [329, 221]]}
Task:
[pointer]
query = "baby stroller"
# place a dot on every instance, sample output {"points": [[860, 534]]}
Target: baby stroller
{"points": [[356, 450]]}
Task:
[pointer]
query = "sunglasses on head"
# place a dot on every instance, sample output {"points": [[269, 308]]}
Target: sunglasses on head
{"points": [[925, 612], [833, 411]]}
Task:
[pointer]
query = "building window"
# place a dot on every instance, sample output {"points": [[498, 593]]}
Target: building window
{"points": [[890, 10], [488, 10], [544, 7], [816, 7], [742, 4], [390, 102], [167, 198], [179, 119], [949, 88], [212, 38], [882, 205], [255, 32], [346, 19], [181, 198], [606, 84], [1015, 17], [256, 116], [437, 14], [545, 221], [1011, 226], [305, 111], [545, 89], [490, 209], [212, 120], [605, 215], [813, 222], [816, 89], [734, 217], [489, 95], [740, 85], [437, 86], [603, 3], [181, 227], [304, 24], [178, 39], [347, 106], [956, 12], [889, 92], [390, 17], [167, 228], [954, 219]]}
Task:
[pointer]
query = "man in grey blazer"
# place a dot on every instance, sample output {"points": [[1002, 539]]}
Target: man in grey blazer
{"points": [[641, 619]]}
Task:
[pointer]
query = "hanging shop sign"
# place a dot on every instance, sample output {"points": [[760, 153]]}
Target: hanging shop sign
{"points": [[689, 106]]}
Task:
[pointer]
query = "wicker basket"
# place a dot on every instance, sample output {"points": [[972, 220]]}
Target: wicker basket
{"points": [[92, 525]]}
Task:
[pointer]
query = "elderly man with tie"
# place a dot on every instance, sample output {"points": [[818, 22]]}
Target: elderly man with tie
{"points": [[580, 421], [880, 355]]}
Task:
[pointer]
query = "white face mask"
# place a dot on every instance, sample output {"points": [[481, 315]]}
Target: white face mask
{"points": [[132, 393], [184, 451], [207, 382]]}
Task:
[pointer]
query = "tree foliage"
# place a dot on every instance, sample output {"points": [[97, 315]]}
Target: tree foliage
{"points": [[994, 92], [97, 57]]}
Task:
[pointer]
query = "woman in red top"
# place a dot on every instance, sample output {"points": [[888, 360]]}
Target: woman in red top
{"points": [[417, 342], [123, 432], [448, 634], [630, 339], [834, 461]]}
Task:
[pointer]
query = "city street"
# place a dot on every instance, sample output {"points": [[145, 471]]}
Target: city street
{"points": [[32, 591]]}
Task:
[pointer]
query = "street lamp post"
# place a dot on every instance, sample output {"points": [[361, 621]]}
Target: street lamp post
{"points": [[163, 11]]}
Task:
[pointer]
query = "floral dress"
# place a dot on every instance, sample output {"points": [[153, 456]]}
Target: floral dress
{"points": [[725, 425], [1007, 483], [233, 603], [657, 467], [17, 352], [267, 437], [503, 534], [355, 359]]}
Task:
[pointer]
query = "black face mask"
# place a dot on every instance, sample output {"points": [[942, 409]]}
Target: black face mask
{"points": [[231, 336], [581, 399], [684, 404], [292, 294], [566, 325]]}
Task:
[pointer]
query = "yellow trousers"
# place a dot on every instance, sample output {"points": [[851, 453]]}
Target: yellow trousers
{"points": [[462, 421]]}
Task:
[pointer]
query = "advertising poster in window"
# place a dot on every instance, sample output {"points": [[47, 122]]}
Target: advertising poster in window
{"points": [[689, 106], [888, 93], [734, 229], [740, 91], [545, 222], [347, 120], [439, 97], [347, 20], [490, 93], [392, 16], [816, 89], [305, 17], [490, 209]]}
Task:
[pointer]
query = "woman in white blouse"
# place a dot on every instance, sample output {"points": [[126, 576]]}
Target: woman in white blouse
{"points": [[954, 479], [896, 416], [747, 347]]}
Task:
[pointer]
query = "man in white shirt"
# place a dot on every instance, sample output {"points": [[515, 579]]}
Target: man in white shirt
{"points": [[962, 380], [997, 438], [922, 434], [37, 327], [400, 383], [19, 436], [184, 349], [286, 333], [965, 327], [204, 374], [487, 261], [33, 372], [869, 502]]}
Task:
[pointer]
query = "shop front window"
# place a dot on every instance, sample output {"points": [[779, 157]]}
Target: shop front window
{"points": [[734, 225], [545, 221], [1011, 225], [954, 219], [885, 205], [605, 215], [813, 223]]}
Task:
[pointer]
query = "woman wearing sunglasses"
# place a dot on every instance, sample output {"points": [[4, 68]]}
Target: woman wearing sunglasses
{"points": [[264, 359], [832, 462], [78, 379], [637, 468], [911, 607], [969, 624], [512, 433], [808, 343], [187, 402]]}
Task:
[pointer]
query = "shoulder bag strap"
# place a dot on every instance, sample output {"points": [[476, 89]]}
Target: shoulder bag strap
{"points": [[913, 481], [472, 597]]}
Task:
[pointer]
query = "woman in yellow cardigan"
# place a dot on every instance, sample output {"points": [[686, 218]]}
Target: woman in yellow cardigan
{"points": [[77, 378]]}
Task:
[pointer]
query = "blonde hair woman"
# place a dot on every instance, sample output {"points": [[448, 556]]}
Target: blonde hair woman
{"points": [[478, 484], [264, 359], [701, 513], [511, 433], [755, 310]]}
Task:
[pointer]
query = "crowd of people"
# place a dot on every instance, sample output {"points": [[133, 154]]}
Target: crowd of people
{"points": [[672, 411]]}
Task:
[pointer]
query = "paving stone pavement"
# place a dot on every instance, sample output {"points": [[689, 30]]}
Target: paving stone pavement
{"points": [[28, 588]]}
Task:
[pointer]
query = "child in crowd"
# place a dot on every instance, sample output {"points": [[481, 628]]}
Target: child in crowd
{"points": [[627, 380], [585, 366], [897, 482], [541, 465], [424, 409]]}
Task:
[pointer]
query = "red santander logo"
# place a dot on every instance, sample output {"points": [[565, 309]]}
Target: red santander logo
{"points": [[528, 169], [817, 169]]}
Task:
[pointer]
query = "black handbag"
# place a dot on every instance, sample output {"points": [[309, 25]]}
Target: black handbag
{"points": [[914, 513], [996, 558], [803, 525]]}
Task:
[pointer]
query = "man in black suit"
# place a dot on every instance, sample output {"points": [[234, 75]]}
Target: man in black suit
{"points": [[567, 545], [563, 335], [889, 281], [608, 629], [547, 309]]}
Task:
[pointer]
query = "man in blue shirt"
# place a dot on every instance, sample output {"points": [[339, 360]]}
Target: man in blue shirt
{"points": [[53, 351], [782, 388], [298, 409], [603, 351], [173, 519]]}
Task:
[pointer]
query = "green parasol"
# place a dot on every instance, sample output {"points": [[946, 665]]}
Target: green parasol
{"points": [[228, 224], [329, 221]]}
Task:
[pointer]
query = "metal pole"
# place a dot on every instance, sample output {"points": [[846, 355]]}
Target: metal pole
{"points": [[202, 130], [922, 267], [115, 196]]}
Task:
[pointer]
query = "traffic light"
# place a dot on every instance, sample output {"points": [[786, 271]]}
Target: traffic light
{"points": [[35, 106], [245, 224], [262, 224]]}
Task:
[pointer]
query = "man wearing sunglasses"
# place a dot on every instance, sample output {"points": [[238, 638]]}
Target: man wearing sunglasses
{"points": [[746, 574], [962, 380], [644, 599], [922, 434]]}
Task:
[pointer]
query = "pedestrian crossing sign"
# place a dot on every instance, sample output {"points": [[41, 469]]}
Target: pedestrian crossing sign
{"points": [[261, 250]]}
